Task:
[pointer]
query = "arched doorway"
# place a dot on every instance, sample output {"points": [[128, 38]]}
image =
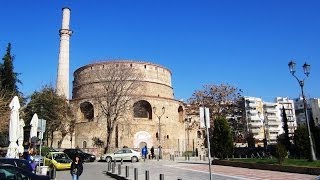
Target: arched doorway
{"points": [[141, 139], [143, 144]]}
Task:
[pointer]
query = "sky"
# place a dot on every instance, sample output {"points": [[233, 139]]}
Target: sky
{"points": [[246, 44]]}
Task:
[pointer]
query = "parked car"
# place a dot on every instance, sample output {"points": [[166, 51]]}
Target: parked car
{"points": [[86, 157], [22, 163], [124, 154], [59, 160], [8, 171]]}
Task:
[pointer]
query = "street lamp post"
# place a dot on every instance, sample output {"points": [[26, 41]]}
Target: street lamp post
{"points": [[306, 70], [159, 127]]}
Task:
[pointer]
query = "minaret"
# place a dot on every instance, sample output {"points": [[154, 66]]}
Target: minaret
{"points": [[63, 67]]}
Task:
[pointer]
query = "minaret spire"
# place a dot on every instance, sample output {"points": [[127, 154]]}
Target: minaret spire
{"points": [[63, 67]]}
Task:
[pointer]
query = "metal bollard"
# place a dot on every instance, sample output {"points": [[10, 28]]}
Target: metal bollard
{"points": [[147, 175], [157, 158], [127, 171], [135, 173], [185, 157], [119, 169], [113, 168], [109, 166], [173, 157], [121, 161], [188, 157], [200, 157], [161, 176], [52, 173]]}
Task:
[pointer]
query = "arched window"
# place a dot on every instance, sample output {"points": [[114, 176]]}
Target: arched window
{"points": [[180, 111], [84, 144], [199, 134], [87, 110], [142, 109]]}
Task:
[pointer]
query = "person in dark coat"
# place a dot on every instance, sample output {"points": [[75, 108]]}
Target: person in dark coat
{"points": [[76, 168], [152, 152]]}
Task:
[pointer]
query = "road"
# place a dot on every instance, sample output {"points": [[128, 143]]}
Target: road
{"points": [[180, 170]]}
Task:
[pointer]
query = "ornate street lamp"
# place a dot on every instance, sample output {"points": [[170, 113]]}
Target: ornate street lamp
{"points": [[159, 127], [306, 70]]}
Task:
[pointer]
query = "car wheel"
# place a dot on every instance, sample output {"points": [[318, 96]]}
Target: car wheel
{"points": [[134, 159], [108, 159]]}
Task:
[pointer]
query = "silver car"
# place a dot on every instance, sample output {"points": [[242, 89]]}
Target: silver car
{"points": [[122, 154]]}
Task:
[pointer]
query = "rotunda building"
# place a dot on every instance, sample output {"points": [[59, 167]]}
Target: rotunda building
{"points": [[154, 118]]}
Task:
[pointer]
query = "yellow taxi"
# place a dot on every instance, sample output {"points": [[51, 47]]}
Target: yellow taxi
{"points": [[59, 160]]}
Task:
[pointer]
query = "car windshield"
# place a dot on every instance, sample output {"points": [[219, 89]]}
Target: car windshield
{"points": [[60, 156]]}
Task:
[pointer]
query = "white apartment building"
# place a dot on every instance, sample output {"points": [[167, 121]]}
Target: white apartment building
{"points": [[315, 109], [273, 124], [255, 118], [289, 107]]}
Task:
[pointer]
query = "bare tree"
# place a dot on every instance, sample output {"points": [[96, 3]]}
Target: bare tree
{"points": [[119, 86], [222, 100], [67, 125]]}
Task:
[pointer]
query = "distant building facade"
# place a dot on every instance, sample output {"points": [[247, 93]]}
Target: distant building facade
{"points": [[255, 118], [273, 124], [289, 107]]}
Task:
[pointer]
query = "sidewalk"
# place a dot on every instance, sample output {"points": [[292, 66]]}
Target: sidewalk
{"points": [[171, 170], [199, 170]]}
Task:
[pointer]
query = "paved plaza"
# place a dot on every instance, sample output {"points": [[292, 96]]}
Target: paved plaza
{"points": [[180, 170]]}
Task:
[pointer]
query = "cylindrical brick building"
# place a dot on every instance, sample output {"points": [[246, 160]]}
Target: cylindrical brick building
{"points": [[157, 109]]}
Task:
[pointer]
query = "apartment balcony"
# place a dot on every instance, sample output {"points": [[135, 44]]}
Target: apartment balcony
{"points": [[253, 111], [256, 124], [255, 118], [273, 129], [255, 131], [273, 123], [272, 117], [273, 136], [252, 104], [271, 110]]}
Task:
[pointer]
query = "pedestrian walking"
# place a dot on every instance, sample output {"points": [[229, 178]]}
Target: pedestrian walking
{"points": [[144, 152], [76, 168], [152, 152]]}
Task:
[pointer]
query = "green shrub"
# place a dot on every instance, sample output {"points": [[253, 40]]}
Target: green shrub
{"points": [[45, 150], [281, 153]]}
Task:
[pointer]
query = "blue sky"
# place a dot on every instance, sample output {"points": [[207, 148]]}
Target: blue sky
{"points": [[247, 44]]}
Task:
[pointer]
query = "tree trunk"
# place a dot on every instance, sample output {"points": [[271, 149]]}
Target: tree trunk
{"points": [[63, 135], [51, 139], [107, 148]]}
